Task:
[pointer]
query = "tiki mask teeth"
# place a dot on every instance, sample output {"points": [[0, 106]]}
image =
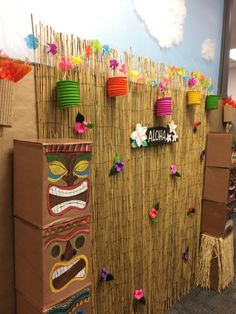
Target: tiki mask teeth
{"points": [[64, 273], [60, 191], [61, 199]]}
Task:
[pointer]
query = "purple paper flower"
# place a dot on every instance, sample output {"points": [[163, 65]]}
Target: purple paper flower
{"points": [[113, 64], [52, 48], [191, 82], [161, 86], [104, 273], [185, 255], [119, 166]]}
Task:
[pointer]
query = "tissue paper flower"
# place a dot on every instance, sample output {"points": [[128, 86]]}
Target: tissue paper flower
{"points": [[122, 69], [76, 60], [52, 48], [192, 82], [88, 50], [138, 298], [65, 64], [105, 275], [32, 41], [185, 255], [191, 211], [113, 64], [117, 167], [96, 45], [134, 74], [196, 126], [174, 172], [106, 50], [154, 212], [81, 126], [138, 294]]}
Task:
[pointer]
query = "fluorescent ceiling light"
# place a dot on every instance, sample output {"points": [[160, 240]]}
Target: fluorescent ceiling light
{"points": [[232, 54]]}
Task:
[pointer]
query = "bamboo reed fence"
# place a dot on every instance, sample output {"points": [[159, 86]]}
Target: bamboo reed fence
{"points": [[138, 254]]}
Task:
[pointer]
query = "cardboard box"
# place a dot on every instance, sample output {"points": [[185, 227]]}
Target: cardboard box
{"points": [[220, 184], [219, 150], [216, 219], [54, 263], [79, 303], [51, 180]]}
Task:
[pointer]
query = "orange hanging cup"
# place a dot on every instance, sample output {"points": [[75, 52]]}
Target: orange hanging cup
{"points": [[117, 86]]}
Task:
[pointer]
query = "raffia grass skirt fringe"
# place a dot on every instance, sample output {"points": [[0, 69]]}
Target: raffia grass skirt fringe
{"points": [[220, 248]]}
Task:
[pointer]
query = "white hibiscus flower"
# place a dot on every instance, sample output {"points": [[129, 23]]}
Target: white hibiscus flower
{"points": [[139, 136], [172, 126]]}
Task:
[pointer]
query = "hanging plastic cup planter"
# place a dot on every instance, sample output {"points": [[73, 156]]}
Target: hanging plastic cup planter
{"points": [[6, 102], [193, 97], [163, 107], [117, 86], [68, 94], [212, 102]]}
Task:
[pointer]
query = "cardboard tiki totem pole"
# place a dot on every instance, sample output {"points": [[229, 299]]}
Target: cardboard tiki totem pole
{"points": [[52, 210], [219, 194]]}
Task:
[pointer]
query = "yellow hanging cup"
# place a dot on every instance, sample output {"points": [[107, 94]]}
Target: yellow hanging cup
{"points": [[193, 97]]}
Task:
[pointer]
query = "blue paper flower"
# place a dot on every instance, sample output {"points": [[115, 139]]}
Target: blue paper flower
{"points": [[106, 50], [32, 41]]}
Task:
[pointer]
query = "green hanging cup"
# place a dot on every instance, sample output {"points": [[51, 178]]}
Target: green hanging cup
{"points": [[212, 102], [68, 94]]}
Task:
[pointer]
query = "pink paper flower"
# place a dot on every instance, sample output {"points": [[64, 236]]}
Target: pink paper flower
{"points": [[80, 128], [138, 294], [173, 169], [65, 64], [122, 69], [191, 82]]}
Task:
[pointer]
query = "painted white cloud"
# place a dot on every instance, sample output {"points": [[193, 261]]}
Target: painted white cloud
{"points": [[164, 19], [208, 49]]}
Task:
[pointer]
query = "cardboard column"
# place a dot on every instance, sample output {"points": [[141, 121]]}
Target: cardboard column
{"points": [[219, 193], [52, 221]]}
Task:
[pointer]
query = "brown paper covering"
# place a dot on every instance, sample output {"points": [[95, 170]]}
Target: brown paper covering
{"points": [[6, 102], [229, 113], [219, 150], [33, 200], [216, 184], [214, 218], [45, 268]]}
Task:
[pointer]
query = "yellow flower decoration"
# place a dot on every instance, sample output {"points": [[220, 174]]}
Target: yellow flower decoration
{"points": [[76, 60], [134, 74]]}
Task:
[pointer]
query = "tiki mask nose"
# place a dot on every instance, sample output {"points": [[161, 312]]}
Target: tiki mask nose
{"points": [[69, 252], [69, 179]]}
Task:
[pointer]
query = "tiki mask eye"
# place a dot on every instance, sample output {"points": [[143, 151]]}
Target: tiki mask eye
{"points": [[57, 171], [79, 242], [81, 169], [55, 250]]}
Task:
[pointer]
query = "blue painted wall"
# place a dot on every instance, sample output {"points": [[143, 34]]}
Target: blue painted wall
{"points": [[115, 22]]}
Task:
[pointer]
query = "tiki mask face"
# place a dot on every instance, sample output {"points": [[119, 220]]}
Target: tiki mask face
{"points": [[69, 183], [67, 255], [77, 304]]}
